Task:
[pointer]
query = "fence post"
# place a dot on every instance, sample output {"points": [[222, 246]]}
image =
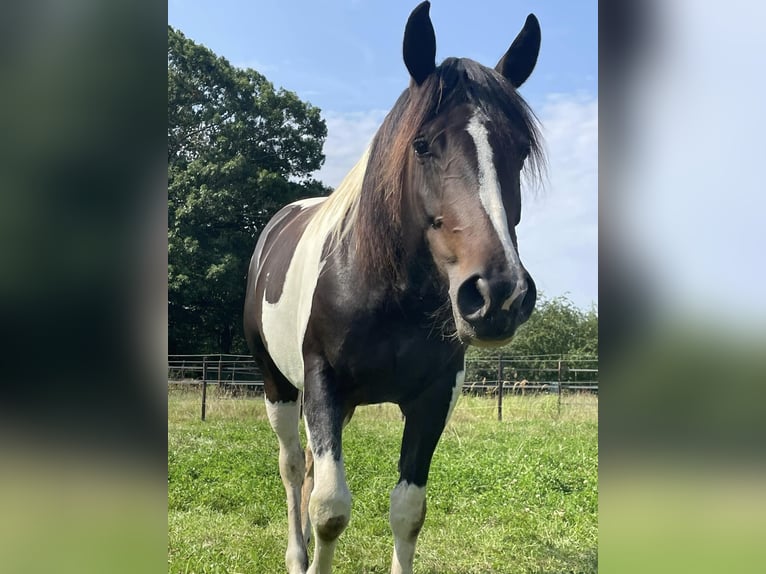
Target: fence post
{"points": [[500, 388], [204, 385], [220, 358], [561, 368]]}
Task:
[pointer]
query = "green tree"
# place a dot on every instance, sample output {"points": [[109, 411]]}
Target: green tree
{"points": [[238, 150], [557, 327]]}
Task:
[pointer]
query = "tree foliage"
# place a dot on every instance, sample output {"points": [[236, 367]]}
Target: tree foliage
{"points": [[556, 328], [238, 150]]}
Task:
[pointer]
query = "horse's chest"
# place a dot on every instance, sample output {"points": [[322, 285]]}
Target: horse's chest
{"points": [[385, 364]]}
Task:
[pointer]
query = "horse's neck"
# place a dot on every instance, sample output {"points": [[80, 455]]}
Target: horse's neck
{"points": [[420, 283], [412, 280]]}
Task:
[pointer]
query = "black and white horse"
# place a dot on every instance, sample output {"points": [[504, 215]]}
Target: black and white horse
{"points": [[372, 294]]}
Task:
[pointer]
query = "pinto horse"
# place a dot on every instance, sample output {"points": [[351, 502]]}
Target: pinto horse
{"points": [[373, 293]]}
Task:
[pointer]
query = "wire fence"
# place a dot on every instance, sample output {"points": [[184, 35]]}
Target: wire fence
{"points": [[564, 376]]}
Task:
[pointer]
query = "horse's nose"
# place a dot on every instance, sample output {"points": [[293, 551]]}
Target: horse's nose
{"points": [[521, 307], [496, 304]]}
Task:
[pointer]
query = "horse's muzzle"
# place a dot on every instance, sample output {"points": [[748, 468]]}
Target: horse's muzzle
{"points": [[493, 306]]}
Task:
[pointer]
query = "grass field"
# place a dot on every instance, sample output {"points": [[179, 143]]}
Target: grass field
{"points": [[518, 496]]}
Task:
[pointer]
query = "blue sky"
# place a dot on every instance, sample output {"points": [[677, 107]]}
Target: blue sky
{"points": [[345, 58]]}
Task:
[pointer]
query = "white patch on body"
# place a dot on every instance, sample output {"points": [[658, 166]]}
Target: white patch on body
{"points": [[491, 198], [407, 512], [284, 322]]}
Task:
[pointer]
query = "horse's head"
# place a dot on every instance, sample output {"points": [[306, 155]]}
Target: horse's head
{"points": [[462, 176]]}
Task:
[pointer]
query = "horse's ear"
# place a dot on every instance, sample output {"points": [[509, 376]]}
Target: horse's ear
{"points": [[520, 59], [420, 44]]}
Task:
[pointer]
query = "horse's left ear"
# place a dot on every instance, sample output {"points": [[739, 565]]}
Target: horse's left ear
{"points": [[520, 59], [420, 43]]}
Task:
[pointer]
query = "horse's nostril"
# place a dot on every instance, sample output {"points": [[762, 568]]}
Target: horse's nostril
{"points": [[528, 303], [473, 297]]}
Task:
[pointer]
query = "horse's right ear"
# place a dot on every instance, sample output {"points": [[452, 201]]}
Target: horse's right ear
{"points": [[420, 44]]}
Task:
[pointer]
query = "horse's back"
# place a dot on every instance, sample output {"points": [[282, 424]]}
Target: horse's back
{"points": [[281, 277]]}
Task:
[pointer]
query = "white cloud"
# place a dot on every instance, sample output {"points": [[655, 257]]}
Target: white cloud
{"points": [[558, 234], [348, 135]]}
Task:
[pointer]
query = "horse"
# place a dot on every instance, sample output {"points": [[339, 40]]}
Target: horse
{"points": [[373, 293]]}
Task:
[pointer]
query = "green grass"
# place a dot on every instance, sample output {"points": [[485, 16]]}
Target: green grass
{"points": [[513, 496]]}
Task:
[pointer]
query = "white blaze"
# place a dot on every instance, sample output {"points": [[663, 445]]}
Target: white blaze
{"points": [[491, 198]]}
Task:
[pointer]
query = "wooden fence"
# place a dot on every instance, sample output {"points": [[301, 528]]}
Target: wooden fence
{"points": [[500, 376]]}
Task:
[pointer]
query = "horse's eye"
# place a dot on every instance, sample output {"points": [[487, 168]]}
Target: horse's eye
{"points": [[437, 222], [420, 146]]}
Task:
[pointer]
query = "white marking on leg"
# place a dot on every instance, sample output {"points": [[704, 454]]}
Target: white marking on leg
{"points": [[408, 509], [329, 509], [307, 524], [491, 198], [284, 418], [457, 390]]}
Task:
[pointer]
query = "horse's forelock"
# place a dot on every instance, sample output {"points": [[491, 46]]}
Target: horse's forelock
{"points": [[378, 221]]}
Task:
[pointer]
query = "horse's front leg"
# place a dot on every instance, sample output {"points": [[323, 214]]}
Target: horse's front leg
{"points": [[284, 419], [425, 419], [329, 506]]}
